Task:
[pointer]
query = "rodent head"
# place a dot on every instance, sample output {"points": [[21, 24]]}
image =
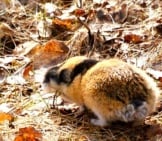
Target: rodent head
{"points": [[51, 79], [64, 74]]}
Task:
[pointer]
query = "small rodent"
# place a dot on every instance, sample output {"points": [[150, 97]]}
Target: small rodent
{"points": [[112, 89]]}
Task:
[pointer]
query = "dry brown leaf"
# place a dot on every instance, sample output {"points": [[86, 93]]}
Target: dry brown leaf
{"points": [[5, 29], [50, 53], [28, 134], [52, 46], [67, 24], [5, 116], [132, 38], [79, 12], [55, 46], [27, 71]]}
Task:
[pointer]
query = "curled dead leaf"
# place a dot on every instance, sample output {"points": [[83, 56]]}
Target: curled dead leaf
{"points": [[133, 38], [51, 53], [28, 71], [28, 134], [79, 12], [5, 116], [5, 29], [63, 24]]}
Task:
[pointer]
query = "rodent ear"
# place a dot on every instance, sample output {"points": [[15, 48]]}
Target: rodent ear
{"points": [[65, 76]]}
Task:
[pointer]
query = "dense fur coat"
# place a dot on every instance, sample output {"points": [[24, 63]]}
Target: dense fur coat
{"points": [[112, 89]]}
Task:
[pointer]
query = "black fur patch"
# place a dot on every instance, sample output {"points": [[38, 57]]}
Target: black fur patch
{"points": [[51, 74], [67, 77]]}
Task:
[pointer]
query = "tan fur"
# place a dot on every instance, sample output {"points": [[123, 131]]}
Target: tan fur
{"points": [[73, 92], [101, 87]]}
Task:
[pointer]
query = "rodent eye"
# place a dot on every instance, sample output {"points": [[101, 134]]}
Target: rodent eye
{"points": [[51, 75]]}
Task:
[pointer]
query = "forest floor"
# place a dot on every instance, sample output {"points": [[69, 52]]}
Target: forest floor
{"points": [[35, 34]]}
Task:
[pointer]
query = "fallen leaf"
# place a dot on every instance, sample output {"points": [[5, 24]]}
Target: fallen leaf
{"points": [[52, 52], [28, 71], [132, 38], [5, 29], [5, 116], [28, 134], [63, 24], [79, 12]]}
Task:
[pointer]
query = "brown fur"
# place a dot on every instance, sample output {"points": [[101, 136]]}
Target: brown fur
{"points": [[112, 89]]}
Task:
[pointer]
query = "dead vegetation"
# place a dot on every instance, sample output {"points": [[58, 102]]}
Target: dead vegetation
{"points": [[37, 34]]}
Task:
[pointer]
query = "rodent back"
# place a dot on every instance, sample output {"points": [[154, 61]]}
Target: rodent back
{"points": [[118, 80]]}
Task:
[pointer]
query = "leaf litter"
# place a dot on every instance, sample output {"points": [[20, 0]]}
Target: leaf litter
{"points": [[35, 35]]}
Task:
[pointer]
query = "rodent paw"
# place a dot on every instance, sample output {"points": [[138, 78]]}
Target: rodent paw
{"points": [[127, 114], [132, 113], [142, 111]]}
